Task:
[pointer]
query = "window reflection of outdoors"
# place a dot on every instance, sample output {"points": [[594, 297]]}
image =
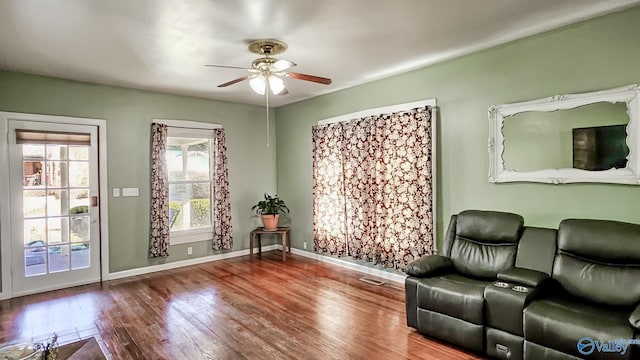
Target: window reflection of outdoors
{"points": [[55, 208], [188, 162]]}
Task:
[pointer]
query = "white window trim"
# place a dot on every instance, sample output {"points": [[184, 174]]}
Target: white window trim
{"points": [[192, 235], [381, 110], [434, 145]]}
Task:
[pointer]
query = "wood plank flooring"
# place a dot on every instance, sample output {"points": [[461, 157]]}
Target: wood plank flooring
{"points": [[231, 309]]}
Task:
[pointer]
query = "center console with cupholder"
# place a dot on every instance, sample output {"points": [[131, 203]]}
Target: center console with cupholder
{"points": [[505, 301]]}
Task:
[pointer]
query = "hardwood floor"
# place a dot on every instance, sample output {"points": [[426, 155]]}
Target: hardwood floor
{"points": [[231, 309]]}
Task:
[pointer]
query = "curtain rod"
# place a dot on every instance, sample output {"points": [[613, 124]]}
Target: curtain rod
{"points": [[187, 124]]}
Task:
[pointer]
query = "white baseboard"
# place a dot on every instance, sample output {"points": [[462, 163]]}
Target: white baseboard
{"points": [[57, 287], [179, 264], [395, 277]]}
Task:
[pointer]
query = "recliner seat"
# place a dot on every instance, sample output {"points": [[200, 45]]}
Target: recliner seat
{"points": [[448, 292], [577, 283], [597, 286]]}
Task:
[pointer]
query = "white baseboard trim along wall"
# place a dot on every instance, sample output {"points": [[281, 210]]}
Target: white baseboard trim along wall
{"points": [[183, 263], [395, 277]]}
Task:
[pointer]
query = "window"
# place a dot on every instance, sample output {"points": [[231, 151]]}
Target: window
{"points": [[190, 166]]}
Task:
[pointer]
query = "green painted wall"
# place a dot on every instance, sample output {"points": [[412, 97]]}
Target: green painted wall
{"points": [[594, 55], [129, 114]]}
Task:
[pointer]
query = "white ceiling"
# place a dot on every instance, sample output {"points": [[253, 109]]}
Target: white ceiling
{"points": [[162, 45]]}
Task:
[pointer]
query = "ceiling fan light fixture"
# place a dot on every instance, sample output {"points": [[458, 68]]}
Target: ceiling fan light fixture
{"points": [[276, 84], [258, 84]]}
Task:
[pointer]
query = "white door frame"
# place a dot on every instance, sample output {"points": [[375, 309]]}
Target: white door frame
{"points": [[6, 291]]}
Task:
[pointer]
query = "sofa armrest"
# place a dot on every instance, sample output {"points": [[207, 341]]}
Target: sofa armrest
{"points": [[522, 276], [634, 318], [429, 266]]}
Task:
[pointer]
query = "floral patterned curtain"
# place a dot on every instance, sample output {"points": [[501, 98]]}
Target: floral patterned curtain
{"points": [[329, 217], [159, 233], [372, 188], [222, 237]]}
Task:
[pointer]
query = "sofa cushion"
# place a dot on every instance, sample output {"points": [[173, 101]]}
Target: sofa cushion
{"points": [[453, 295], [537, 249], [597, 259], [481, 260], [606, 241], [603, 283], [485, 242], [455, 331], [535, 352], [492, 227], [560, 322]]}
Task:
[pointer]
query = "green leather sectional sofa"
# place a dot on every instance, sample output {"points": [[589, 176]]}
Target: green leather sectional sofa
{"points": [[509, 291]]}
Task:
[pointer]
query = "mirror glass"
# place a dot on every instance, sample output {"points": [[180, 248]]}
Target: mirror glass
{"points": [[590, 137]]}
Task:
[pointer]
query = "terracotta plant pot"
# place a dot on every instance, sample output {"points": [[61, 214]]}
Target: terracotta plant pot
{"points": [[270, 221]]}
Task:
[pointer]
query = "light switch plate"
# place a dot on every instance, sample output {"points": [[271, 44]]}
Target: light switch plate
{"points": [[116, 192], [130, 192]]}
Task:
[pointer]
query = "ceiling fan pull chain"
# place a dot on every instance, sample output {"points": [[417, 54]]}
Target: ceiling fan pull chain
{"points": [[266, 93]]}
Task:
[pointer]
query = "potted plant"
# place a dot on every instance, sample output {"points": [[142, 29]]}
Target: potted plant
{"points": [[270, 208]]}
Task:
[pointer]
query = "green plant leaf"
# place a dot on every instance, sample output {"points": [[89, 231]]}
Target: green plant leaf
{"points": [[271, 205]]}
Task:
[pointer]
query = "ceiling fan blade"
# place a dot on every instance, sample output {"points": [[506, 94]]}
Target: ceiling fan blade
{"points": [[317, 79], [235, 81], [227, 67], [282, 64]]}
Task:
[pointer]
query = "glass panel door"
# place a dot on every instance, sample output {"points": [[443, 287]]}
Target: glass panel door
{"points": [[55, 234], [55, 208]]}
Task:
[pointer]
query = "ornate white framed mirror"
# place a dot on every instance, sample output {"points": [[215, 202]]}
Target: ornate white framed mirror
{"points": [[589, 137]]}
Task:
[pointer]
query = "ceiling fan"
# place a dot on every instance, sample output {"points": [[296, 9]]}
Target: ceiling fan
{"points": [[267, 71]]}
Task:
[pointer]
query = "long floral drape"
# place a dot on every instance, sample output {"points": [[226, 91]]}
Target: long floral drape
{"points": [[373, 188], [159, 233], [329, 216], [222, 237]]}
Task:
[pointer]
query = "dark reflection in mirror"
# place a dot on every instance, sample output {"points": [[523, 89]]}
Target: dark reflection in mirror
{"points": [[591, 137], [600, 148]]}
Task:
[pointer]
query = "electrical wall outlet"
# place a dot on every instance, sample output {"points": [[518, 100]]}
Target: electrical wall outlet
{"points": [[116, 192], [304, 245], [189, 250]]}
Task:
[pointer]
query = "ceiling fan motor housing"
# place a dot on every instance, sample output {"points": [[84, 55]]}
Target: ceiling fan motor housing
{"points": [[263, 63], [267, 47]]}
